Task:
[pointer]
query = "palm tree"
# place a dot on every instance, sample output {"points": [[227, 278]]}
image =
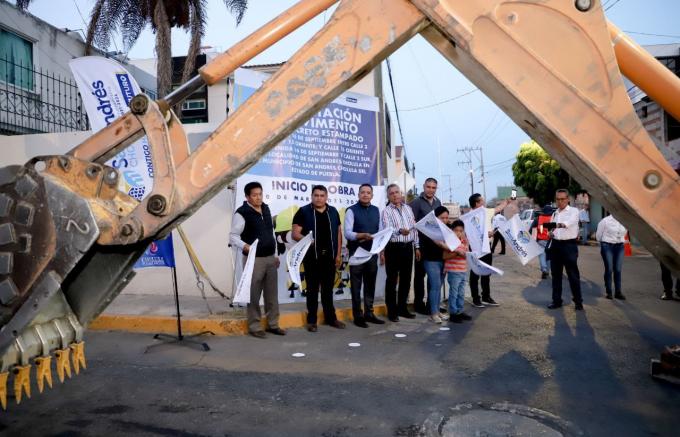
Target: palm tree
{"points": [[130, 17]]}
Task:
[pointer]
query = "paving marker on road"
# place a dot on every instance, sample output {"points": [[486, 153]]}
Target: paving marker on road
{"points": [[298, 355], [354, 344], [400, 335], [444, 328]]}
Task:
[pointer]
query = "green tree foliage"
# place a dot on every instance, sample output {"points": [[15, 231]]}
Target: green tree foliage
{"points": [[539, 175]]}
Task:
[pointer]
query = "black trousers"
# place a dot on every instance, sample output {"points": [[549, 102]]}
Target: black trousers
{"points": [[320, 277], [419, 285], [398, 266], [363, 274], [667, 280], [485, 280], [564, 256], [496, 238]]}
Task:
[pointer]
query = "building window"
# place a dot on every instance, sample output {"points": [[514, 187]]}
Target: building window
{"points": [[16, 60], [193, 104], [672, 127]]}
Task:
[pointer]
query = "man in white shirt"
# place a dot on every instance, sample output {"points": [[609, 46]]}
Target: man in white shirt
{"points": [[611, 234], [564, 251]]}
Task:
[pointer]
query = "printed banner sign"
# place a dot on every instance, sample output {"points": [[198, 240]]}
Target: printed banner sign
{"points": [[480, 267], [431, 226], [519, 239], [295, 256], [242, 294], [107, 89], [477, 231], [338, 148], [160, 253]]}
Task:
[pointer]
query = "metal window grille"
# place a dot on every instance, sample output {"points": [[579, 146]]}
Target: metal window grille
{"points": [[40, 102]]}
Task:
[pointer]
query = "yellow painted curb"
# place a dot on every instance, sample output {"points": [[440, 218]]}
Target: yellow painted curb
{"points": [[219, 326]]}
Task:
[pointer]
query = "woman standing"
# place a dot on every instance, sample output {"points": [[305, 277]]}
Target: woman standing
{"points": [[611, 234]]}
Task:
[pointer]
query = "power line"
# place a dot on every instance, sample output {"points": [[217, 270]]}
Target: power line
{"points": [[651, 34], [612, 5], [418, 108], [396, 108]]}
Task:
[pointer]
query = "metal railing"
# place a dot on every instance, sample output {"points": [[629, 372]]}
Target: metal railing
{"points": [[35, 101]]}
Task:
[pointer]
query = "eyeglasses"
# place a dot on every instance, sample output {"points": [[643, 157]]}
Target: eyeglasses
{"points": [[561, 198]]}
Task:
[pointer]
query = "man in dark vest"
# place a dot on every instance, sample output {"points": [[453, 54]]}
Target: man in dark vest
{"points": [[422, 206], [253, 221], [362, 220], [323, 257]]}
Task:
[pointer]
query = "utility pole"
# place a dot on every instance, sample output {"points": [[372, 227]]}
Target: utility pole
{"points": [[469, 153], [450, 188], [481, 163]]}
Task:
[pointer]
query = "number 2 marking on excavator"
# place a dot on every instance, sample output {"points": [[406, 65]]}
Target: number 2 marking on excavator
{"points": [[85, 229]]}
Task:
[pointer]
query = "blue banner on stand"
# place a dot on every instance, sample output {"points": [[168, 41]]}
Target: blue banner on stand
{"points": [[159, 254]]}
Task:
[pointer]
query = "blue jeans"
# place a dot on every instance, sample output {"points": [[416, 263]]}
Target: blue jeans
{"points": [[457, 281], [435, 274], [584, 232], [543, 260], [612, 255]]}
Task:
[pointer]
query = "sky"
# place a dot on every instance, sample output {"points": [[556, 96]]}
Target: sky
{"points": [[422, 78]]}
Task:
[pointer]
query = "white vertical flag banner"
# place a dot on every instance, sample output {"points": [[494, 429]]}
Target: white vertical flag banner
{"points": [[431, 226], [480, 267], [476, 231], [242, 294], [295, 256], [107, 88], [519, 239]]}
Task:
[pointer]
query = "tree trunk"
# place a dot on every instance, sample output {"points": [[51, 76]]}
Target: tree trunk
{"points": [[163, 50]]}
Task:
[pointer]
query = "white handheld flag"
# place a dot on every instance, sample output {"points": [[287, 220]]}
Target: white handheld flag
{"points": [[242, 294], [476, 230], [360, 256], [295, 256], [380, 240], [107, 89], [431, 226], [480, 267], [519, 239], [378, 243]]}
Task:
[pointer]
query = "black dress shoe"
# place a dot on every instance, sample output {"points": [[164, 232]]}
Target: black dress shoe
{"points": [[620, 296], [609, 296], [371, 318], [276, 331], [422, 310], [311, 327], [361, 323], [554, 306], [578, 306], [258, 334], [407, 315], [464, 316], [393, 318], [337, 324]]}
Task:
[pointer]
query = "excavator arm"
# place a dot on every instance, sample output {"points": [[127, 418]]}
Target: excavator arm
{"points": [[69, 238]]}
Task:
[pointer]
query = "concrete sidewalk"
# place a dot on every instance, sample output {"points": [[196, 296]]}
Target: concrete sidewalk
{"points": [[156, 314]]}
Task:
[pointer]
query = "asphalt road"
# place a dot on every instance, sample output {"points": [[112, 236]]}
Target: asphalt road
{"points": [[590, 369]]}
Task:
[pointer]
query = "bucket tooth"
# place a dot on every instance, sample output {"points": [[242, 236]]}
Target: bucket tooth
{"points": [[78, 356], [3, 389], [22, 381], [43, 372], [63, 363]]}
